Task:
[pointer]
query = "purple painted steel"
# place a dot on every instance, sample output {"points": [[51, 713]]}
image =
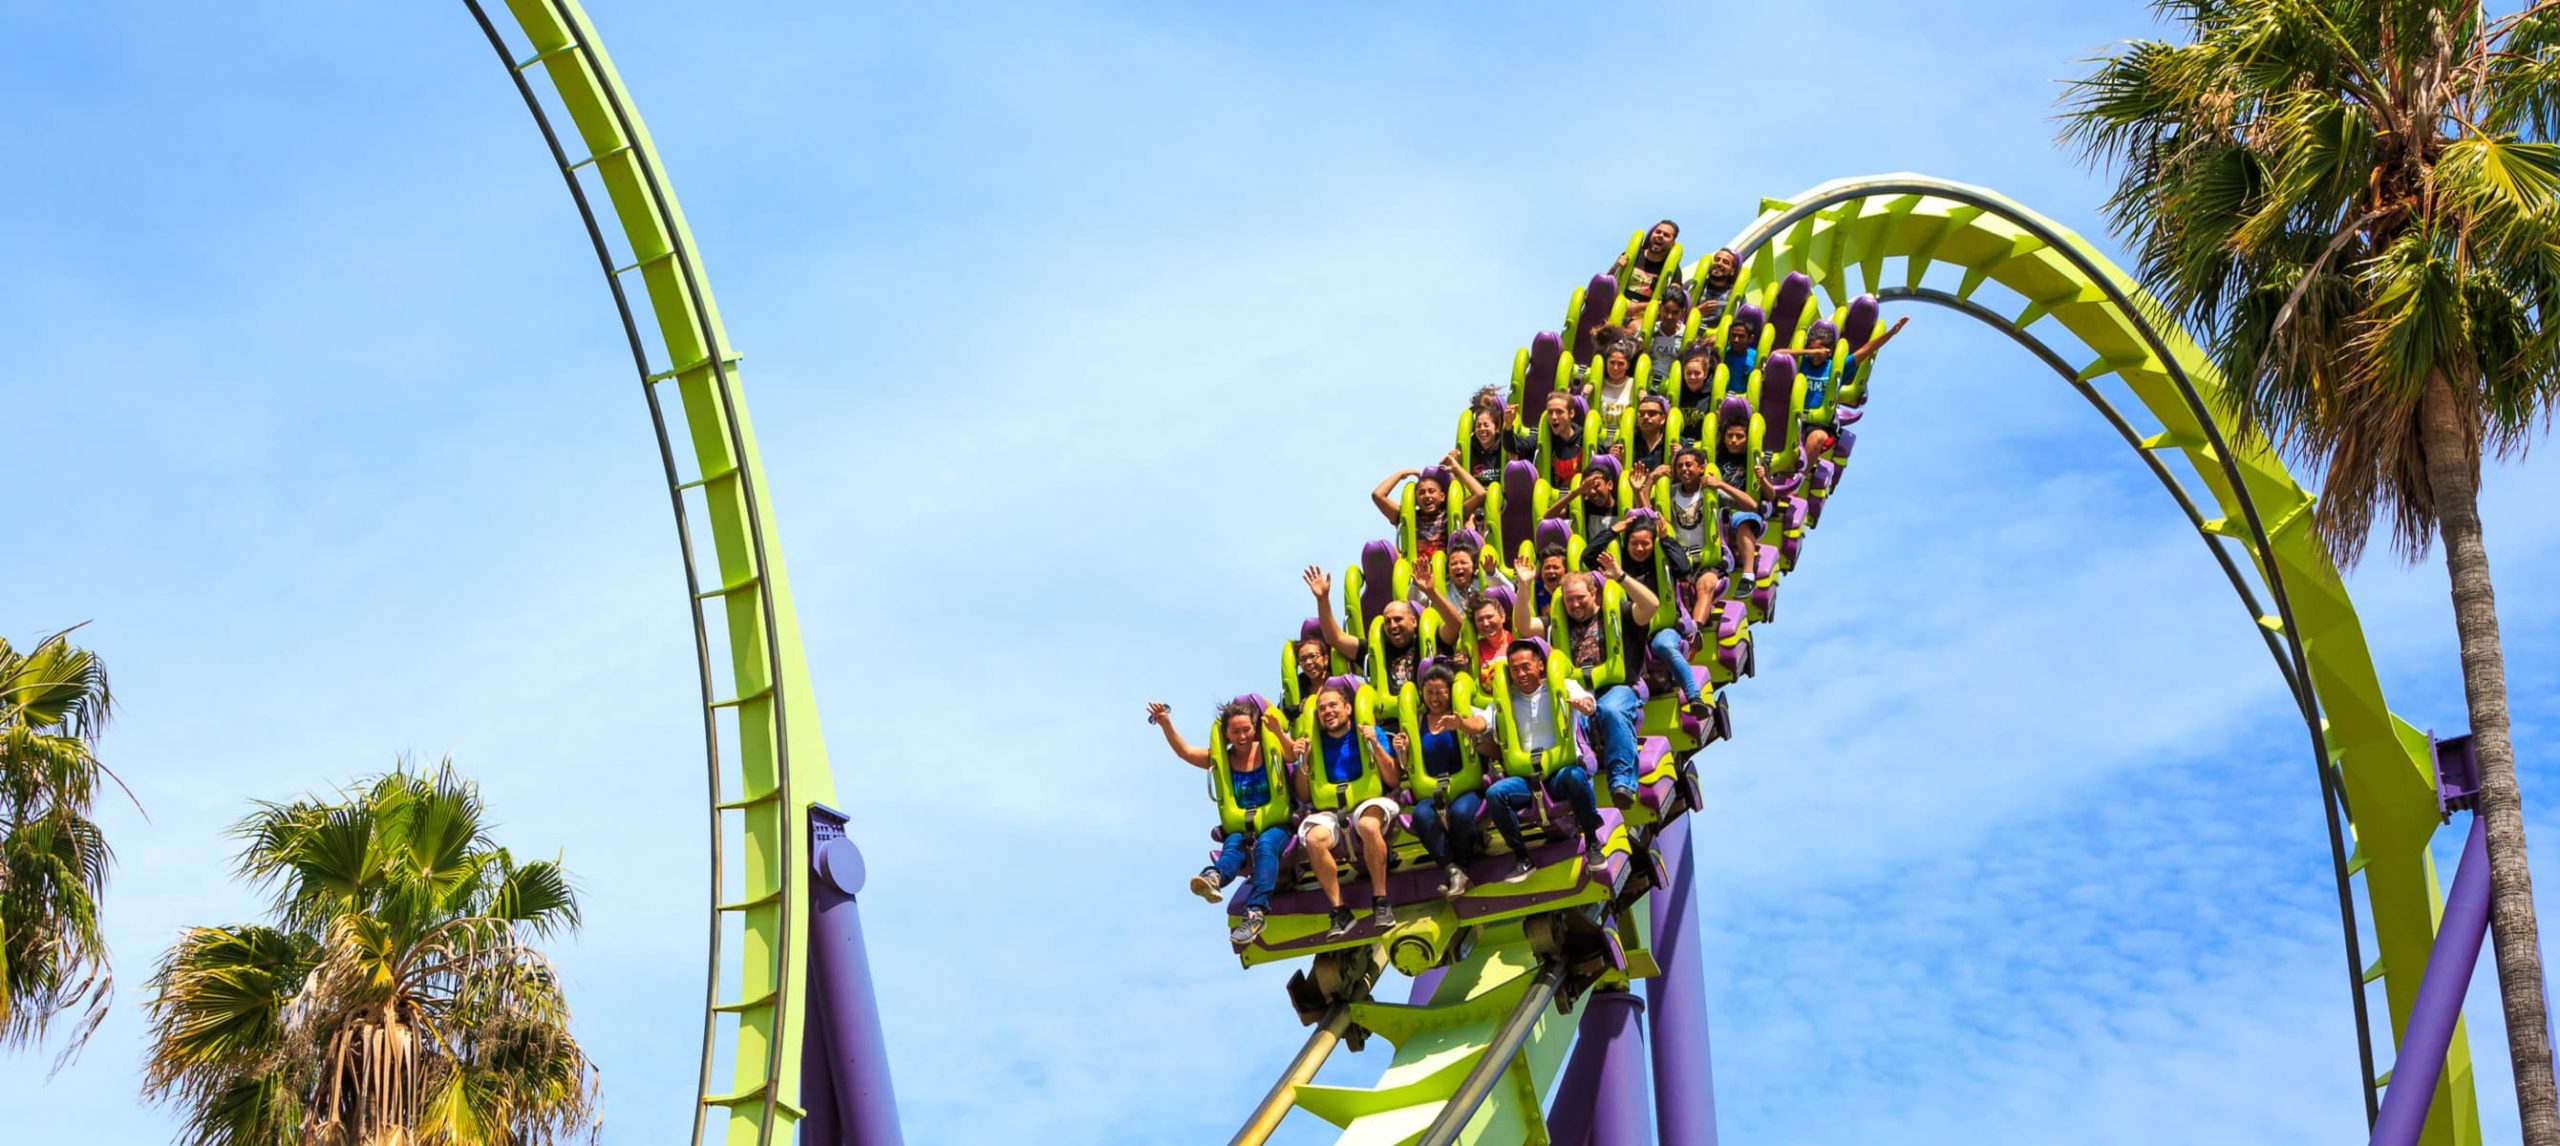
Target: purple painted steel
{"points": [[1545, 352], [1684, 1080], [1569, 1115], [1424, 985], [1788, 306], [1619, 1116], [857, 1053], [1377, 576], [2457, 774], [1863, 311], [2439, 1006], [821, 1126]]}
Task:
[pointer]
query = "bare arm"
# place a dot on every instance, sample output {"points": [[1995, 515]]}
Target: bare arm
{"points": [[1384, 496], [1467, 478], [1440, 604], [1388, 769], [1524, 620], [1161, 716], [1639, 594], [1877, 343], [1320, 584]]}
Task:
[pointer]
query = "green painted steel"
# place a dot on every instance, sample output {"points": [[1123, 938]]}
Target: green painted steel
{"points": [[1438, 1042], [776, 763], [1842, 235]]}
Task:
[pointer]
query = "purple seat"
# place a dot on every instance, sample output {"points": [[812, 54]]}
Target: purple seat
{"points": [[1554, 531], [1377, 577], [1860, 324], [1788, 307], [1597, 299], [1545, 352], [1519, 504], [1776, 402]]}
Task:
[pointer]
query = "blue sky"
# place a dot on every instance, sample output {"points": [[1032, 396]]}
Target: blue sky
{"points": [[1071, 334]]}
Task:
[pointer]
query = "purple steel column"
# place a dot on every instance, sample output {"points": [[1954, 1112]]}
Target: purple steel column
{"points": [[820, 1126], [1569, 1116], [2439, 1004], [1425, 985], [846, 1013], [1684, 1077], [1620, 1114]]}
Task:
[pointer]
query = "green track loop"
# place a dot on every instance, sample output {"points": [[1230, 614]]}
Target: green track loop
{"points": [[2056, 291], [752, 669]]}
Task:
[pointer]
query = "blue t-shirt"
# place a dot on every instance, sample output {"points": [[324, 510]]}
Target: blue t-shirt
{"points": [[1252, 789], [1440, 754], [1817, 383], [1342, 762], [1737, 366]]}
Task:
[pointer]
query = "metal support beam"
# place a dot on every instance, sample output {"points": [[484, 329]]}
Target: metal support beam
{"points": [[2439, 1006], [1684, 1077]]}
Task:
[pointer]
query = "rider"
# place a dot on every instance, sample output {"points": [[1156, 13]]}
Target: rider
{"points": [[1343, 776], [1603, 661], [1539, 711], [1638, 277], [1398, 657], [1664, 571], [1427, 520], [1737, 468], [1716, 285], [1249, 819], [1488, 443], [1441, 768], [1664, 344]]}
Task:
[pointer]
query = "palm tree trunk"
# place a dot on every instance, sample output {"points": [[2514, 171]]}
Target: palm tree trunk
{"points": [[2453, 479]]}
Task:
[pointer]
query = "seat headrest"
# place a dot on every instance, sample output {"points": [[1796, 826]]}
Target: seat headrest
{"points": [[1861, 323], [1734, 408], [1465, 539], [1606, 465], [1553, 531]]}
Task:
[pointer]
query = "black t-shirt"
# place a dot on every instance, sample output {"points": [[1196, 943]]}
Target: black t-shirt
{"points": [[1403, 666]]}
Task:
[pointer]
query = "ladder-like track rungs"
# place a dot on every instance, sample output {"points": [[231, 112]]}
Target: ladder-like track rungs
{"points": [[690, 367], [748, 698], [768, 898], [546, 55], [749, 581]]}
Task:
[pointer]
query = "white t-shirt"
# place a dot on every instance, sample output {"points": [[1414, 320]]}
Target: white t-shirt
{"points": [[1614, 398], [1536, 714], [1689, 514]]}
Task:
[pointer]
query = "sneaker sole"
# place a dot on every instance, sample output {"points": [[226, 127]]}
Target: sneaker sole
{"points": [[1200, 886]]}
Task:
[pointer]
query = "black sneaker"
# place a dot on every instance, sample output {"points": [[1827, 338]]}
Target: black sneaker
{"points": [[1457, 883], [1623, 795], [1247, 931], [1701, 711], [1206, 885], [1384, 914], [1591, 846], [1341, 919], [1521, 869]]}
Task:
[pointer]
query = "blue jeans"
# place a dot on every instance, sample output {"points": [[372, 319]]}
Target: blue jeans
{"points": [[1668, 647], [1458, 841], [1613, 732], [1570, 784], [1266, 863]]}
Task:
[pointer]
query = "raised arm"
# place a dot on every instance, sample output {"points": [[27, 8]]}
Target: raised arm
{"points": [[1440, 603], [1467, 478], [1731, 494], [1524, 620], [1384, 496], [1877, 343], [1639, 594], [1160, 715], [1321, 584]]}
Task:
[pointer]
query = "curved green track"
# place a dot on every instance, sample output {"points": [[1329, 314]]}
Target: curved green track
{"points": [[1954, 246], [2054, 290], [766, 760]]}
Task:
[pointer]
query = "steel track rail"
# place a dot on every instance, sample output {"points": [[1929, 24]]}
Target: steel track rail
{"points": [[1783, 238], [693, 339]]}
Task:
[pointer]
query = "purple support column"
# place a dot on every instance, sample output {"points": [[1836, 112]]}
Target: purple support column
{"points": [[1684, 1080], [1425, 985], [1620, 1114], [2439, 1004], [845, 1015], [1569, 1116], [820, 1126]]}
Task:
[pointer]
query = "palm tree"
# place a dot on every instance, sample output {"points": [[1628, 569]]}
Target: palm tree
{"points": [[395, 994], [53, 861], [2356, 204]]}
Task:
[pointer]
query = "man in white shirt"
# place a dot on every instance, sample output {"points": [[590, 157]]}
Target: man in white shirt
{"points": [[1533, 714]]}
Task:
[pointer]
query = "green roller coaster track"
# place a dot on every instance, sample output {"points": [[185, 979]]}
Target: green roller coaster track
{"points": [[767, 762]]}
